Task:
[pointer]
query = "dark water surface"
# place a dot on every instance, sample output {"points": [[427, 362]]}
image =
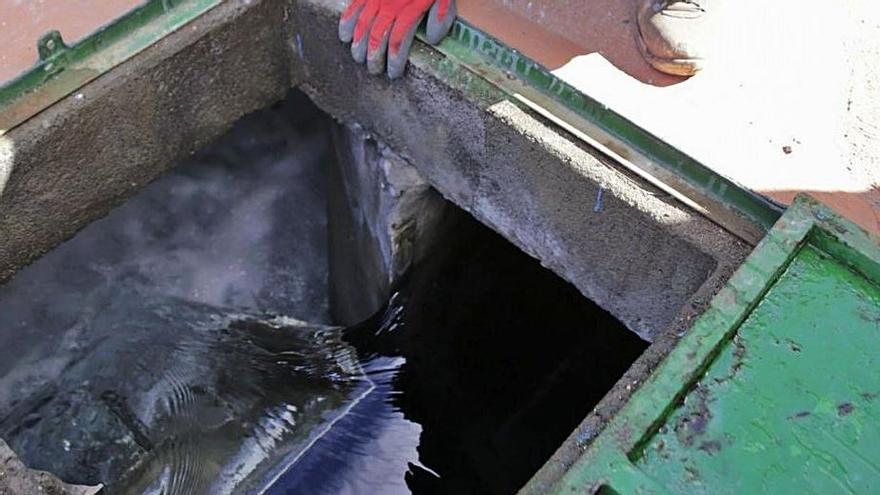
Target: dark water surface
{"points": [[181, 345], [483, 362]]}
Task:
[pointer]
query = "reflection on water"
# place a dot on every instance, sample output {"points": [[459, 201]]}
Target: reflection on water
{"points": [[483, 363], [172, 396], [143, 353]]}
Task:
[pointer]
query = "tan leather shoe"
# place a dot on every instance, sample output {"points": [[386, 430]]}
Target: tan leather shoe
{"points": [[674, 35]]}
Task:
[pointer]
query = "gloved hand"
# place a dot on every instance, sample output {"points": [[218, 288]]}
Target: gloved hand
{"points": [[381, 31]]}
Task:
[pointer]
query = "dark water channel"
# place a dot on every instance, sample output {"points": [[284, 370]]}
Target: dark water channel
{"points": [[484, 363], [184, 344]]}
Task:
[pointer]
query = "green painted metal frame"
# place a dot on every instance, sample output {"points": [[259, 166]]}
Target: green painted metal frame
{"points": [[519, 76], [63, 69], [609, 461]]}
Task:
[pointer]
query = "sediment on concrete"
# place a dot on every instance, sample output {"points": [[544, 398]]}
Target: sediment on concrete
{"points": [[640, 254], [18, 479], [383, 217]]}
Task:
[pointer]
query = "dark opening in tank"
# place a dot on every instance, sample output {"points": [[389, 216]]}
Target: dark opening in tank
{"points": [[186, 343], [493, 357]]}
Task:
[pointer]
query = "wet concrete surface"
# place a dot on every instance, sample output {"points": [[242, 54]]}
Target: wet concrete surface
{"points": [[16, 478]]}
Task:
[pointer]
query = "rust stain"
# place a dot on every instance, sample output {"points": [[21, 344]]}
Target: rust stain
{"points": [[692, 473], [22, 23], [618, 148], [692, 425], [739, 357]]}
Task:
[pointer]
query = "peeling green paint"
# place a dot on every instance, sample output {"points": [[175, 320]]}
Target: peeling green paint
{"points": [[787, 405], [774, 390]]}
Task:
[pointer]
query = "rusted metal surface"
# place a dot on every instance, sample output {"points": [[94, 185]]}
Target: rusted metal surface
{"points": [[62, 69], [23, 23], [774, 390]]}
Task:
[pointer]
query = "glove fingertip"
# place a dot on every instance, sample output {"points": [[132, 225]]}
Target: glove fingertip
{"points": [[359, 50], [346, 29], [376, 59], [396, 66], [439, 25], [399, 55], [348, 20]]}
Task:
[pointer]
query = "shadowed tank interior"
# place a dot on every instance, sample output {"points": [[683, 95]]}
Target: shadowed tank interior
{"points": [[186, 342], [502, 360]]}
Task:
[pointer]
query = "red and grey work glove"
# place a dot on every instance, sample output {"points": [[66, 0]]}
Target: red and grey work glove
{"points": [[382, 31]]}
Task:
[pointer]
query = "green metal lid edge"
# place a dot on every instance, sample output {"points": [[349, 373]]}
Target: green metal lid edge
{"points": [[609, 459]]}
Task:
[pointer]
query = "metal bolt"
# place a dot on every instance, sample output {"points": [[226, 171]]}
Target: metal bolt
{"points": [[50, 45]]}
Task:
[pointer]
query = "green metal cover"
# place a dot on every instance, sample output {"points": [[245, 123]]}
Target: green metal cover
{"points": [[776, 389]]}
